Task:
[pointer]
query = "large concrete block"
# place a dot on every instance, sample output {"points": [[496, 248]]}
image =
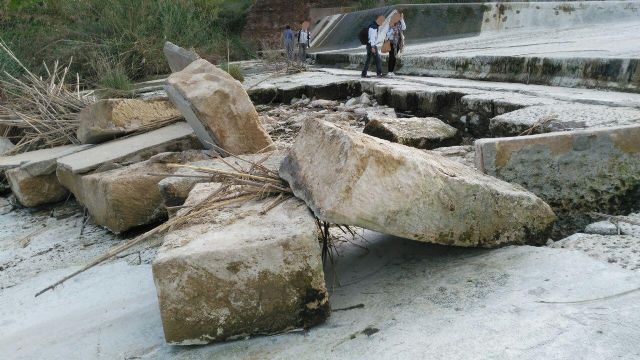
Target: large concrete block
{"points": [[236, 272], [421, 133], [575, 172], [218, 109], [350, 178], [108, 119]]}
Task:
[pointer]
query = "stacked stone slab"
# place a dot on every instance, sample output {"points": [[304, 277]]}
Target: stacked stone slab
{"points": [[237, 272], [218, 109], [32, 175], [576, 172], [421, 133], [112, 118], [350, 178], [175, 189]]}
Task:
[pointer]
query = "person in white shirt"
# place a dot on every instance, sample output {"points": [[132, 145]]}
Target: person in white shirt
{"points": [[396, 38], [372, 47], [304, 40]]}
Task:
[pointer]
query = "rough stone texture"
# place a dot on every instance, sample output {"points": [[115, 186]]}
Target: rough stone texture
{"points": [[111, 118], [350, 178], [172, 138], [464, 154], [175, 190], [127, 197], [239, 273], [218, 108], [31, 175], [550, 118], [602, 228], [621, 250], [575, 172], [5, 145], [177, 57], [32, 191], [422, 133]]}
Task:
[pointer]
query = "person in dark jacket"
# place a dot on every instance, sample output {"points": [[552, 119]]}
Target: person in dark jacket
{"points": [[287, 38], [372, 47]]}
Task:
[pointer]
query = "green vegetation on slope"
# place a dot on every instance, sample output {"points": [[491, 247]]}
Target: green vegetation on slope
{"points": [[113, 42]]}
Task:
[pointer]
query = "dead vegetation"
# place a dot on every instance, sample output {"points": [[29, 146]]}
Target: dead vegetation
{"points": [[41, 112]]}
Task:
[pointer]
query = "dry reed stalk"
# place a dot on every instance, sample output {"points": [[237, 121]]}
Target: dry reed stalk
{"points": [[44, 111]]}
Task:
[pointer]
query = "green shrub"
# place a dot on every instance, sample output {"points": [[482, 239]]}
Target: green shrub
{"points": [[127, 34], [234, 70]]}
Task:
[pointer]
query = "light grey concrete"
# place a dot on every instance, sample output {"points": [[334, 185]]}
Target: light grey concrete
{"points": [[559, 117], [416, 301], [39, 162], [176, 137], [622, 250], [192, 119]]}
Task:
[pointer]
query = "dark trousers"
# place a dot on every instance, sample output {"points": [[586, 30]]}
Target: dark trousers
{"points": [[392, 58], [368, 61]]}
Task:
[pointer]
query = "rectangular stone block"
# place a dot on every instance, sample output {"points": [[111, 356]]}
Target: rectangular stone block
{"points": [[237, 272], [575, 171]]}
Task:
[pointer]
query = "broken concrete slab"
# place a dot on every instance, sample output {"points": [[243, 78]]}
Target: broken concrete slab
{"points": [[5, 145], [621, 250], [421, 133], [560, 117], [175, 189], [124, 198], [227, 276], [173, 138], [177, 57], [218, 109], [39, 162], [575, 172], [351, 178], [108, 119]]}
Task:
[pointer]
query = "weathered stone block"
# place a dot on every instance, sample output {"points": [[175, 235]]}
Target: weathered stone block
{"points": [[111, 118], [421, 133], [350, 178], [227, 276], [575, 172], [126, 197], [32, 191], [218, 109], [177, 57]]}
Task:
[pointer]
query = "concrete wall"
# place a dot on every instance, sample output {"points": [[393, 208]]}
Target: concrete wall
{"points": [[430, 22]]}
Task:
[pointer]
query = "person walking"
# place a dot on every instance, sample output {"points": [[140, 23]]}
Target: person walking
{"points": [[372, 47], [304, 41], [396, 39], [287, 37]]}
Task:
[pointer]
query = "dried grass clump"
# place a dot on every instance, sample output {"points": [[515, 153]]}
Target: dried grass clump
{"points": [[42, 112]]}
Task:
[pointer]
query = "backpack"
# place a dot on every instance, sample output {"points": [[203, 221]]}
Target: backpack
{"points": [[363, 36]]}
